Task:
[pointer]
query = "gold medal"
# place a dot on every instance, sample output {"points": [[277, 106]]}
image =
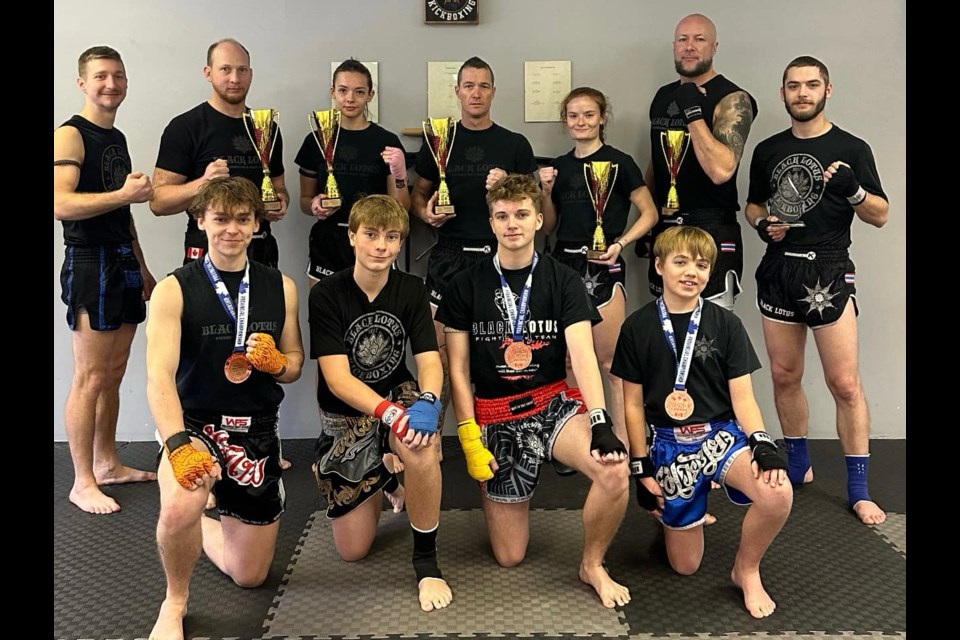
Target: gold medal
{"points": [[518, 356], [237, 368], [679, 405]]}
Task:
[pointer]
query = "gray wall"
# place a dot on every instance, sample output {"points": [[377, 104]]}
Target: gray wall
{"points": [[619, 46]]}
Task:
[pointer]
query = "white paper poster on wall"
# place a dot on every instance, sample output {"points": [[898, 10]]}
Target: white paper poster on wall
{"points": [[545, 84], [441, 81]]}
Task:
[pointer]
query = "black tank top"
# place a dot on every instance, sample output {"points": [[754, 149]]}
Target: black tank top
{"points": [[106, 165], [206, 341], [695, 189]]}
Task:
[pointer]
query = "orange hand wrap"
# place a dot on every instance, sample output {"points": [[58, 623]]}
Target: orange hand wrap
{"points": [[190, 465], [265, 356]]}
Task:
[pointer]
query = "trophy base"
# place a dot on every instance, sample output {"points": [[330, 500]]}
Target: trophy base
{"points": [[669, 211], [443, 209], [331, 203], [593, 254], [272, 206], [791, 225]]}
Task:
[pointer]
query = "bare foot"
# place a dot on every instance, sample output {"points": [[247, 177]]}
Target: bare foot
{"points": [[211, 502], [709, 519], [285, 464], [396, 498], [434, 594], [714, 485], [92, 500], [869, 512], [392, 462], [121, 474], [755, 598], [169, 625], [611, 594]]}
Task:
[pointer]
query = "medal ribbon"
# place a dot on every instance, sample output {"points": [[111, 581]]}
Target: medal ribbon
{"points": [[239, 315], [686, 356], [516, 313]]}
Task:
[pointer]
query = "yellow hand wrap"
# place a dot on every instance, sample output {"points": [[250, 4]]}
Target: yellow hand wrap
{"points": [[190, 465], [265, 356], [478, 457]]}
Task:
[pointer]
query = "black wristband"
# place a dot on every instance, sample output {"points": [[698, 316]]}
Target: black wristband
{"points": [[762, 230], [428, 396], [760, 436], [177, 440], [641, 467]]}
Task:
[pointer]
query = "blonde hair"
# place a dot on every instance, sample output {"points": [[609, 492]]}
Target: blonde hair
{"points": [[686, 239], [379, 212]]}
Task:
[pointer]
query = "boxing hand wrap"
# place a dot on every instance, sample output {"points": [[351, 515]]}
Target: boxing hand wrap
{"points": [[478, 457], [602, 438], [643, 468], [690, 101], [844, 183], [265, 356], [762, 226], [391, 414], [188, 463], [764, 451], [397, 161], [424, 415]]}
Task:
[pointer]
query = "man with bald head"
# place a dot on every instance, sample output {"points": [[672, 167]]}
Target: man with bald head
{"points": [[711, 116], [210, 141]]}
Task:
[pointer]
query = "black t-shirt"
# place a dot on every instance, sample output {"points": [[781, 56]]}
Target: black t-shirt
{"points": [[358, 167], [196, 138], [472, 156], [786, 174], [373, 335], [695, 190], [570, 196], [474, 302], [106, 165], [722, 352], [207, 335]]}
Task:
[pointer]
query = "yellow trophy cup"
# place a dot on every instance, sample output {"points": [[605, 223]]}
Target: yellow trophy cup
{"points": [[674, 143], [599, 176], [325, 126], [439, 133], [262, 126]]}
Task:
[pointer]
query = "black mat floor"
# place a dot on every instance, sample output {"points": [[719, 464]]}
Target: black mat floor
{"points": [[108, 582]]}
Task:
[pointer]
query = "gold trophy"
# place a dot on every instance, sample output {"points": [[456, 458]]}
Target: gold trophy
{"points": [[439, 133], [262, 126], [674, 143], [600, 177], [326, 131]]}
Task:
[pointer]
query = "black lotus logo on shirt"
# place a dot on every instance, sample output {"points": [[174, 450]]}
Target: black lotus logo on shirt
{"points": [[347, 153], [375, 345], [474, 154], [673, 109], [114, 167], [242, 144]]}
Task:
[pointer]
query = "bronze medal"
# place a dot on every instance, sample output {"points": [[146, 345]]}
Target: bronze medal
{"points": [[237, 368], [679, 405], [518, 356]]}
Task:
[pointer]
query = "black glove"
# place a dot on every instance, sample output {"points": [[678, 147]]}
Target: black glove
{"points": [[764, 451], [690, 101], [643, 468], [844, 183], [603, 438], [762, 230]]}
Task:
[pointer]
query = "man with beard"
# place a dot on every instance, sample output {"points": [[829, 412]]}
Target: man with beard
{"points": [[806, 185], [712, 117], [210, 141]]}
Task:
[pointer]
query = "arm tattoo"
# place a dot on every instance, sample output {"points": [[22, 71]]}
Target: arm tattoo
{"points": [[732, 123]]}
